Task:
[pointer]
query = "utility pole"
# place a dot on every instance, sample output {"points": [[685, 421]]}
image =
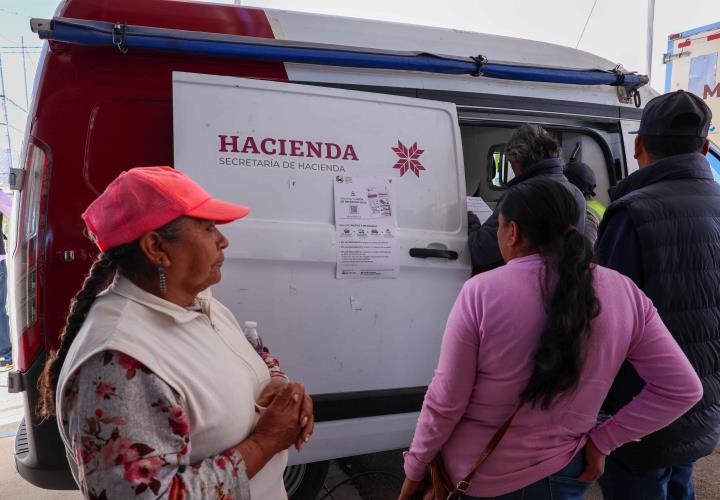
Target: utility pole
{"points": [[27, 98], [3, 104], [650, 34]]}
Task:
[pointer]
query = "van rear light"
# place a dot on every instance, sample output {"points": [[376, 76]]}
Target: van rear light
{"points": [[26, 294]]}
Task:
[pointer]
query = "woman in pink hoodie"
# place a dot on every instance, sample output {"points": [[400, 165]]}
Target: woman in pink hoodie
{"points": [[552, 329]]}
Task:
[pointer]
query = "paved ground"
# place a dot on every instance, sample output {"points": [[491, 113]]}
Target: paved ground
{"points": [[377, 477], [706, 479], [11, 409], [12, 486]]}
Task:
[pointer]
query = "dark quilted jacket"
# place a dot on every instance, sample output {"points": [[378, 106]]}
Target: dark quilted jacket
{"points": [[674, 206]]}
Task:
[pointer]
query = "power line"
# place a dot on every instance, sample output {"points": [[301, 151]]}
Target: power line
{"points": [[12, 12], [17, 129], [15, 104], [32, 60], [8, 39], [11, 126], [586, 23]]}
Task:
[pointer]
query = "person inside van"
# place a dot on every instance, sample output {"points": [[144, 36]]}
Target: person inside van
{"points": [[533, 153], [582, 176], [546, 333], [159, 394]]}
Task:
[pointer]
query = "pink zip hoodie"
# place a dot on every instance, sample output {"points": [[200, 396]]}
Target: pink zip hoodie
{"points": [[486, 360]]}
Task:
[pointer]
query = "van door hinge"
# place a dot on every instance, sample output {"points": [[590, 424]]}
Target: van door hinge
{"points": [[15, 382], [16, 178]]}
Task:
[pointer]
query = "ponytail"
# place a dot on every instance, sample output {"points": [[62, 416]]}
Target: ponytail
{"points": [[102, 270], [559, 358], [545, 213]]}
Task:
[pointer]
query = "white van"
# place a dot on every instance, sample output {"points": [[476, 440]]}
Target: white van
{"points": [[283, 112]]}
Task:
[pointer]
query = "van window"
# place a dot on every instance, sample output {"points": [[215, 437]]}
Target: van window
{"points": [[487, 170], [499, 171]]}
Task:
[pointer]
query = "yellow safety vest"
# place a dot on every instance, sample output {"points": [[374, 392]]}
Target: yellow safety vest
{"points": [[596, 209]]}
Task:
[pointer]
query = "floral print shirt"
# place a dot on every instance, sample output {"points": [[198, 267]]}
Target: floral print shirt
{"points": [[130, 437]]}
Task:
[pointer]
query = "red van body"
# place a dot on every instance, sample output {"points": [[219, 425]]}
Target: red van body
{"points": [[90, 104]]}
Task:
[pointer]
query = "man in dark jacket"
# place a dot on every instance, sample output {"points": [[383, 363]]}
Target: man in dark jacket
{"points": [[662, 230], [532, 152]]}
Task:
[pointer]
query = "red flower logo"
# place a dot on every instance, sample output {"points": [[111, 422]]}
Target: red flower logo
{"points": [[408, 159]]}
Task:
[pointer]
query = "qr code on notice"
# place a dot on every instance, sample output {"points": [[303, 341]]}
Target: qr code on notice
{"points": [[353, 209]]}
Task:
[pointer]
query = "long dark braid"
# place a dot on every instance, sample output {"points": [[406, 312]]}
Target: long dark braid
{"points": [[546, 213], [131, 262], [102, 270]]}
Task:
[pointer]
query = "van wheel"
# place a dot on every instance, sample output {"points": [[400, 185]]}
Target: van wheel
{"points": [[305, 481]]}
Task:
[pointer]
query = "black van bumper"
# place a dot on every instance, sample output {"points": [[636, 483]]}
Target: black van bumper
{"points": [[39, 452], [51, 479]]}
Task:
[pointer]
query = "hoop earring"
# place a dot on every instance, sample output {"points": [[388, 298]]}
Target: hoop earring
{"points": [[163, 280]]}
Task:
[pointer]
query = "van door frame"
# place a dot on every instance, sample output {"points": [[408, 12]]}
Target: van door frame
{"points": [[494, 104], [332, 407]]}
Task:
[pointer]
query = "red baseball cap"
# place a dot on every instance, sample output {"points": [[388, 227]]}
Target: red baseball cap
{"points": [[146, 198]]}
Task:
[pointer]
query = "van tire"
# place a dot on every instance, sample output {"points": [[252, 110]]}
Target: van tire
{"points": [[305, 481]]}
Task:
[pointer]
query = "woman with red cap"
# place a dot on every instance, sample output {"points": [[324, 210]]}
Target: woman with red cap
{"points": [[156, 391]]}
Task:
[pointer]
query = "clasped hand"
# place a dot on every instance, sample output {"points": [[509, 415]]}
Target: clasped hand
{"points": [[300, 413]]}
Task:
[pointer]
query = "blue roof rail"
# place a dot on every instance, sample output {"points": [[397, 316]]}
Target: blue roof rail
{"points": [[126, 37]]}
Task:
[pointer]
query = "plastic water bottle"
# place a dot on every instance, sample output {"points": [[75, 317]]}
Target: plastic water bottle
{"points": [[251, 334]]}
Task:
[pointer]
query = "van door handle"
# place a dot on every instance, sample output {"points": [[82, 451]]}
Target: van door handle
{"points": [[424, 253]]}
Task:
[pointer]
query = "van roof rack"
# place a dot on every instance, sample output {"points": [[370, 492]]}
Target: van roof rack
{"points": [[126, 37]]}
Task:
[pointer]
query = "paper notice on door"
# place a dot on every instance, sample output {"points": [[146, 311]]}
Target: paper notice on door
{"points": [[366, 239], [477, 205]]}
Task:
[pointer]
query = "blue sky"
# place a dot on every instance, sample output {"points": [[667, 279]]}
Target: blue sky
{"points": [[616, 30]]}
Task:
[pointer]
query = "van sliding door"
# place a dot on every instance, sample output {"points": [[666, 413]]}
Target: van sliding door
{"points": [[365, 348]]}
